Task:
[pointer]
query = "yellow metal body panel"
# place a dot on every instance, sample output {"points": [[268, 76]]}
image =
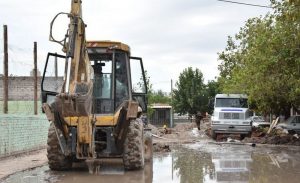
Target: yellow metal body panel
{"points": [[108, 44], [103, 120], [84, 130]]}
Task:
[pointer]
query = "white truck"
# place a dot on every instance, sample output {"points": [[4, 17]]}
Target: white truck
{"points": [[231, 115]]}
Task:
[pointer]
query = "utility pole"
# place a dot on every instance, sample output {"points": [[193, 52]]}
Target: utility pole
{"points": [[172, 115], [35, 77], [5, 71]]}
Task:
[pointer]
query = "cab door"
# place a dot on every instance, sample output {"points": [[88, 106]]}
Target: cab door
{"points": [[138, 81], [53, 77]]}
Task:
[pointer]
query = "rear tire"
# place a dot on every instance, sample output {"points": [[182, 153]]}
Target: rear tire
{"points": [[148, 147], [133, 156], [56, 159]]}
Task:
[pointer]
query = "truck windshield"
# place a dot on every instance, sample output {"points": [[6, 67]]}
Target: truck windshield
{"points": [[232, 102]]}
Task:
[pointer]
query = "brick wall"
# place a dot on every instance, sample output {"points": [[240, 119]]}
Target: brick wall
{"points": [[20, 130], [21, 133], [22, 87]]}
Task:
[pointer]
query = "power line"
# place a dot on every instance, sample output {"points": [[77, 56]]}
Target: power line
{"points": [[248, 4]]}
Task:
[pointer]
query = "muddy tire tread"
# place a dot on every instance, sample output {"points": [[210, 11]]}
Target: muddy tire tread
{"points": [[56, 159], [133, 156]]}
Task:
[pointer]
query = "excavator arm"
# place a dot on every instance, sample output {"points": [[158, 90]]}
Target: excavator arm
{"points": [[78, 67], [75, 99]]}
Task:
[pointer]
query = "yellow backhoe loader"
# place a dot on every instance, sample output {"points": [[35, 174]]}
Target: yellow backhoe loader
{"points": [[94, 95]]}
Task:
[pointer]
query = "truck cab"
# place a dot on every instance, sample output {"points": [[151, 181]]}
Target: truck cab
{"points": [[231, 115]]}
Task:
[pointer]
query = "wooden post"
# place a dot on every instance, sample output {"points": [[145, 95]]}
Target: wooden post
{"points": [[273, 124], [5, 71], [172, 115], [55, 68], [35, 77]]}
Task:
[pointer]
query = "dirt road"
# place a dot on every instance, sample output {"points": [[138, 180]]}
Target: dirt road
{"points": [[22, 162]]}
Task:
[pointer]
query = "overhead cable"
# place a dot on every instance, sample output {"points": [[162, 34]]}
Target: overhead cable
{"points": [[248, 4]]}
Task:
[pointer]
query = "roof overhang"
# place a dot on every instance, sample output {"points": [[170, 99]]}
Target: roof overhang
{"points": [[108, 44]]}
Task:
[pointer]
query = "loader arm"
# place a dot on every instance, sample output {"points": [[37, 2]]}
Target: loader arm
{"points": [[75, 99]]}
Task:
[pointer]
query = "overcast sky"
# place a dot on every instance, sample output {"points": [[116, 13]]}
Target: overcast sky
{"points": [[169, 35]]}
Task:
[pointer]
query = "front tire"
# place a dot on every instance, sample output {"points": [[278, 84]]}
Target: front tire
{"points": [[248, 135], [56, 159], [133, 156], [213, 135]]}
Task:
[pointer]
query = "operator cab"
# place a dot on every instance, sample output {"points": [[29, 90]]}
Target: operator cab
{"points": [[113, 81], [117, 77]]}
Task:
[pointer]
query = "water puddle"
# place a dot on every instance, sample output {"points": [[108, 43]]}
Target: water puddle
{"points": [[200, 162]]}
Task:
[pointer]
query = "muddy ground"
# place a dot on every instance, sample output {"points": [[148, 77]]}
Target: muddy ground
{"points": [[164, 140], [21, 162], [188, 133], [194, 162], [182, 133]]}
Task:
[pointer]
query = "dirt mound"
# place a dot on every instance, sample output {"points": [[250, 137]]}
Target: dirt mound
{"points": [[287, 139], [184, 127], [159, 147], [277, 136], [154, 129]]}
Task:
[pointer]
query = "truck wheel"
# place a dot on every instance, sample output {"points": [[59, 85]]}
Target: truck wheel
{"points": [[148, 147], [56, 159], [242, 136], [133, 156], [213, 135]]}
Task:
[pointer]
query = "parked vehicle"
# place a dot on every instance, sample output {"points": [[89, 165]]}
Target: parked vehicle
{"points": [[292, 124], [231, 115], [258, 121]]}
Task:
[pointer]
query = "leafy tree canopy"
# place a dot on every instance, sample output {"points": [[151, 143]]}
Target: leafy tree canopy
{"points": [[159, 97], [263, 59], [190, 95]]}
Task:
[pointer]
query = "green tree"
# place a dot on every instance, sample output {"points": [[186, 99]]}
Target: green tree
{"points": [[212, 89], [159, 97], [190, 95], [263, 59]]}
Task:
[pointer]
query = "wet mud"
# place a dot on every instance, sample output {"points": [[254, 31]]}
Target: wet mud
{"points": [[199, 162]]}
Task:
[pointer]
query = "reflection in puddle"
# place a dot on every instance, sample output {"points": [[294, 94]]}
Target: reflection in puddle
{"points": [[234, 163], [189, 163], [106, 167], [232, 167]]}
